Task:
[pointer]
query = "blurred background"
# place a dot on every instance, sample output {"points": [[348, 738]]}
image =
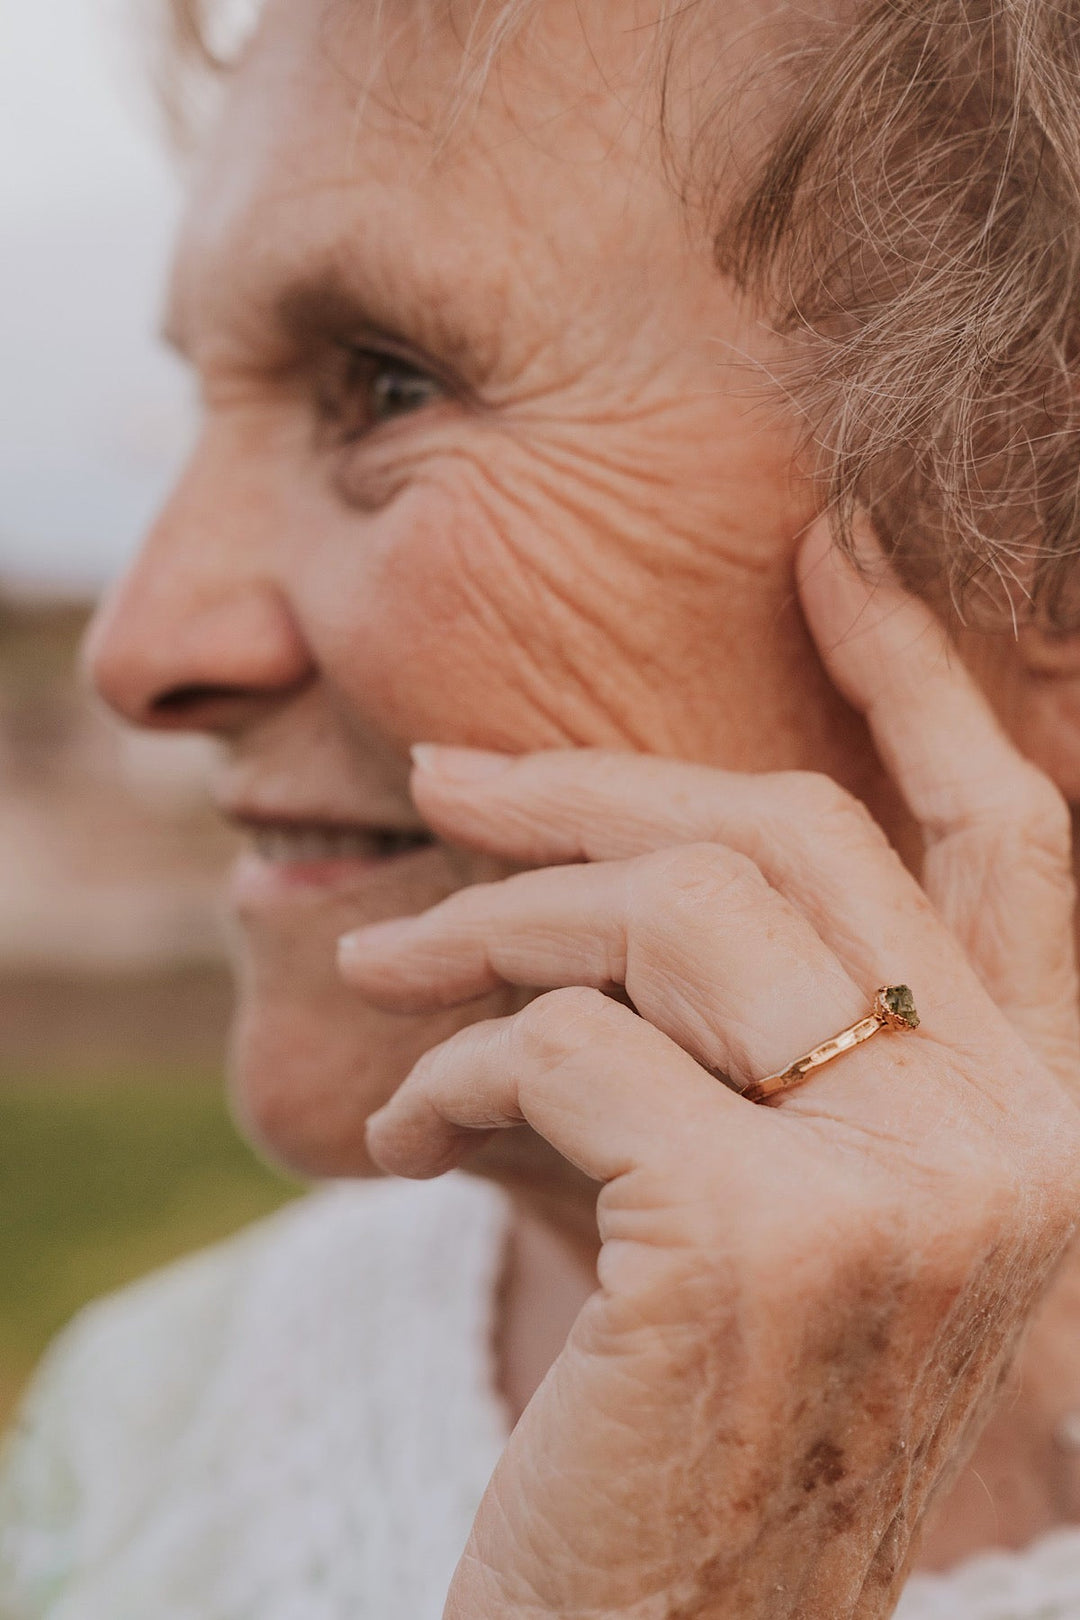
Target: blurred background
{"points": [[116, 1152]]}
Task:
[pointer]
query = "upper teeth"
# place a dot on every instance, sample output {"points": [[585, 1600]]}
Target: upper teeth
{"points": [[331, 843]]}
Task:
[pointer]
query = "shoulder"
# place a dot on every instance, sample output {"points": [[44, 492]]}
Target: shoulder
{"points": [[261, 1320]]}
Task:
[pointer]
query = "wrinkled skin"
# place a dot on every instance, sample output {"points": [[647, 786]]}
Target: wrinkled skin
{"points": [[575, 526], [801, 1309]]}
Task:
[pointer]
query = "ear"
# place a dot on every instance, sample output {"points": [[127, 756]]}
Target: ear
{"points": [[1041, 707]]}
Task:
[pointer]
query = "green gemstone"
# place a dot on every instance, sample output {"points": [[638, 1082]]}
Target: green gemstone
{"points": [[901, 1003]]}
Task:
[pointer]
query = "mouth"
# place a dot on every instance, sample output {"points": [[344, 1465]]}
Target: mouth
{"points": [[301, 844], [294, 854]]}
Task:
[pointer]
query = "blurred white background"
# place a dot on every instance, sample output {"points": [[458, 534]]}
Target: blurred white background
{"points": [[94, 414], [109, 860], [115, 1154]]}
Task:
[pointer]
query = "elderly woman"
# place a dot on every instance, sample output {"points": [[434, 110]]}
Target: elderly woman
{"points": [[608, 408]]}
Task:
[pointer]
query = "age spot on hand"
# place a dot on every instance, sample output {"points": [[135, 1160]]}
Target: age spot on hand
{"points": [[823, 1465]]}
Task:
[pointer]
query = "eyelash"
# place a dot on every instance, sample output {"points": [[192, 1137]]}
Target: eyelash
{"points": [[361, 389]]}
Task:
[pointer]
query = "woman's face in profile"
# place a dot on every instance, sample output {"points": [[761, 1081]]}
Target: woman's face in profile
{"points": [[483, 461]]}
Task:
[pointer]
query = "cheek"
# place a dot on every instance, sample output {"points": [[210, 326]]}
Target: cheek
{"points": [[516, 598], [446, 630], [428, 626]]}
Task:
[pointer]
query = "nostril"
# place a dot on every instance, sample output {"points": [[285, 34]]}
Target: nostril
{"points": [[181, 701]]}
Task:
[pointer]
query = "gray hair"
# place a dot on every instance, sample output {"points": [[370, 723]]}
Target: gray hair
{"points": [[913, 228]]}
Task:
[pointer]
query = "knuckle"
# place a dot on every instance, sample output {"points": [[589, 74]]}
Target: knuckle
{"points": [[1042, 812], [690, 873], [1024, 819], [556, 1022], [826, 805], [816, 792]]}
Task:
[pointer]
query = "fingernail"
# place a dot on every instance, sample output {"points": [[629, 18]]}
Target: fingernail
{"points": [[459, 764], [383, 935]]}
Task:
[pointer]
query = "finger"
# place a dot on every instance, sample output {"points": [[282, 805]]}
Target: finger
{"points": [[997, 865], [604, 1087], [695, 934], [997, 833], [814, 843]]}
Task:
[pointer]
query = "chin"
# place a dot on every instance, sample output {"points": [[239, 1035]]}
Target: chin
{"points": [[310, 1060], [302, 1112], [310, 1063]]}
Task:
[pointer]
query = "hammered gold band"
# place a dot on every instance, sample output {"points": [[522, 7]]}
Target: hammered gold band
{"points": [[894, 1008]]}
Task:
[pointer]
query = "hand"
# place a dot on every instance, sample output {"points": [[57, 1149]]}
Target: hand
{"points": [[803, 1310]]}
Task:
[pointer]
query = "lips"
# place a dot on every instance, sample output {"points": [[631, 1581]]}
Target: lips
{"points": [[289, 856], [304, 843]]}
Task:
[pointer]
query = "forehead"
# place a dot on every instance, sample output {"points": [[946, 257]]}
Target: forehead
{"points": [[352, 139], [391, 142]]}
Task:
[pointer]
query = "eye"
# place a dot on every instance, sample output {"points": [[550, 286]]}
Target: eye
{"points": [[360, 389]]}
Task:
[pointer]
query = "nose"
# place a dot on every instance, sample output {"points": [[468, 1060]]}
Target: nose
{"points": [[199, 634]]}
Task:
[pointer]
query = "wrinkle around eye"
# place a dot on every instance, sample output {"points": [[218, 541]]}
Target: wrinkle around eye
{"points": [[372, 470]]}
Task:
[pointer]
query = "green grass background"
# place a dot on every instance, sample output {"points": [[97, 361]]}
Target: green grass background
{"points": [[101, 1180]]}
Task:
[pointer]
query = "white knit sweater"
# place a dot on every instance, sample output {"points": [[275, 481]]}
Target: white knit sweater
{"points": [[298, 1425]]}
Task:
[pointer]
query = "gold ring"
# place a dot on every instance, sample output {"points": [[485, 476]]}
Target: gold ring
{"points": [[894, 1008]]}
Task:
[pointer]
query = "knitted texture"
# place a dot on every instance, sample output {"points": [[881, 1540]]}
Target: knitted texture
{"points": [[296, 1425], [1042, 1583], [299, 1424]]}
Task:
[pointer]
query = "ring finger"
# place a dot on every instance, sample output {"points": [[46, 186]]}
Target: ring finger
{"points": [[707, 951]]}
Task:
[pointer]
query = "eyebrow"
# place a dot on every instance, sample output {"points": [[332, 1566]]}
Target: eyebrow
{"points": [[323, 306], [313, 310]]}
